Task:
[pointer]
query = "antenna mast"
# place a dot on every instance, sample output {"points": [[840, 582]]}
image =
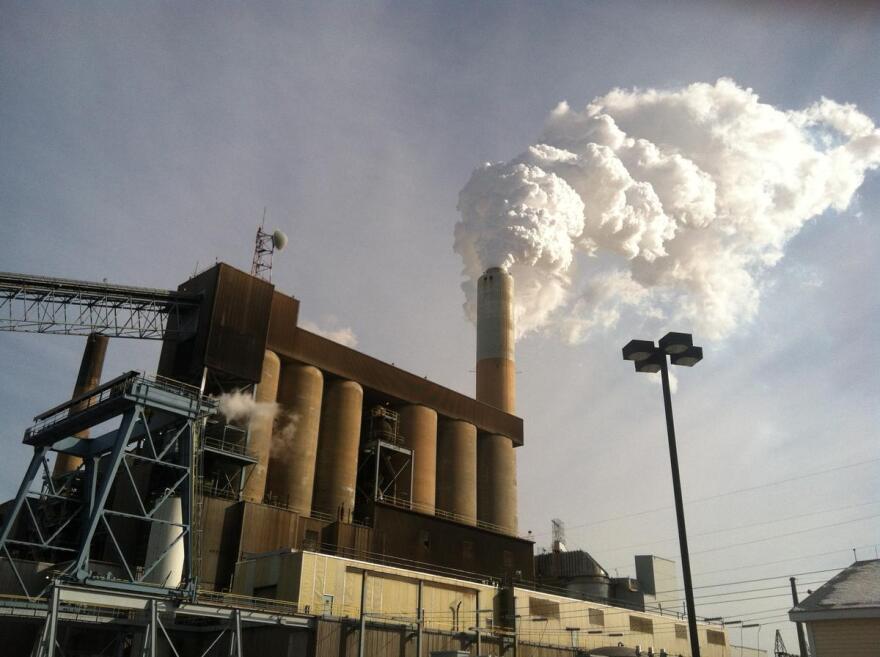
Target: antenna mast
{"points": [[265, 247]]}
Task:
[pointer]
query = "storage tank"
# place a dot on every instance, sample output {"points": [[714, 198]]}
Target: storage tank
{"points": [[338, 446], [456, 470], [169, 571], [260, 427], [291, 477], [418, 427]]}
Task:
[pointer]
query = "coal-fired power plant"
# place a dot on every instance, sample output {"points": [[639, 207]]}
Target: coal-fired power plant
{"points": [[272, 491]]}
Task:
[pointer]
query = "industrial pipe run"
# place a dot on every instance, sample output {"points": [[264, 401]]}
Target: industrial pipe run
{"points": [[496, 385], [89, 377]]}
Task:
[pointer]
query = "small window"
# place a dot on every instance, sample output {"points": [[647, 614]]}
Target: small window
{"points": [[715, 637], [310, 541], [597, 617], [575, 637], [425, 539], [639, 624], [328, 605], [681, 632], [467, 550]]}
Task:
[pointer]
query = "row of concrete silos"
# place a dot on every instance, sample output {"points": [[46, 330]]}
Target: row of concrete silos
{"points": [[308, 455]]}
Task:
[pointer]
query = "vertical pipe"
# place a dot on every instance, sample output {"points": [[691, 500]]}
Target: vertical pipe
{"points": [[338, 443], [496, 386], [291, 476], [802, 641], [260, 428], [89, 377], [456, 470], [418, 426]]}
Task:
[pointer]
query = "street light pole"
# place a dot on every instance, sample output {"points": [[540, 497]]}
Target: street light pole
{"points": [[648, 357], [679, 513]]}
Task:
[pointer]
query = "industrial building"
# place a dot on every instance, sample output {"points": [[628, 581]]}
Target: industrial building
{"points": [[272, 490]]}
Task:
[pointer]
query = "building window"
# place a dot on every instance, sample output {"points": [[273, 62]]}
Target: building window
{"points": [[543, 608], [310, 541], [639, 624], [467, 550], [425, 539], [507, 558], [597, 617], [681, 632], [715, 637], [328, 605]]}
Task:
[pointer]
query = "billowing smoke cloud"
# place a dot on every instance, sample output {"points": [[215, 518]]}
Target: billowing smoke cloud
{"points": [[243, 409], [669, 204]]}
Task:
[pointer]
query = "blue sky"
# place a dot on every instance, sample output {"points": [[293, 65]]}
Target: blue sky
{"points": [[143, 140]]}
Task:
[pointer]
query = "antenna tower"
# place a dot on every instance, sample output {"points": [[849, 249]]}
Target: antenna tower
{"points": [[265, 247]]}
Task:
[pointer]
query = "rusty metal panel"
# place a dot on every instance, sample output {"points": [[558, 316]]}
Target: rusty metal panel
{"points": [[282, 322], [239, 324], [398, 385], [212, 529], [409, 539], [266, 528], [184, 360]]}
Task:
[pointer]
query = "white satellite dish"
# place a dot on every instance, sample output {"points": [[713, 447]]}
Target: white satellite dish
{"points": [[279, 240]]}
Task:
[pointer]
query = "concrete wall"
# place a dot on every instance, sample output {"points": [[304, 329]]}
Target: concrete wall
{"points": [[845, 638]]}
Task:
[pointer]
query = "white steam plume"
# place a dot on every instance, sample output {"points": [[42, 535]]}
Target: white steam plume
{"points": [[683, 198], [239, 406]]}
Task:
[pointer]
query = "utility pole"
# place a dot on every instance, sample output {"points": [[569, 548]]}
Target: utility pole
{"points": [[802, 641], [363, 627]]}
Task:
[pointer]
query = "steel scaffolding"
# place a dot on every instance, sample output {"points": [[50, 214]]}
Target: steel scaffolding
{"points": [[61, 519]]}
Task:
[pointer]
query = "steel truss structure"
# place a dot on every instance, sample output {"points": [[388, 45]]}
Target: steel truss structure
{"points": [[146, 626], [69, 521], [40, 304]]}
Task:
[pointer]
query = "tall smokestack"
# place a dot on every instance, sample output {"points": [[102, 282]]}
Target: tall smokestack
{"points": [[496, 385]]}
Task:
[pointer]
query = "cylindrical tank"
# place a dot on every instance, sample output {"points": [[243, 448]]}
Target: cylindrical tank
{"points": [[457, 470], [291, 476], [338, 443], [169, 571], [496, 385], [418, 426], [496, 482], [89, 377], [260, 428]]}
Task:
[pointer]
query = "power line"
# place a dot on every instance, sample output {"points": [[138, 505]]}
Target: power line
{"points": [[738, 527], [736, 491]]}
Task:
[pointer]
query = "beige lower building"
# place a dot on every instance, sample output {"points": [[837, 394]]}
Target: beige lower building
{"points": [[842, 617], [332, 586]]}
